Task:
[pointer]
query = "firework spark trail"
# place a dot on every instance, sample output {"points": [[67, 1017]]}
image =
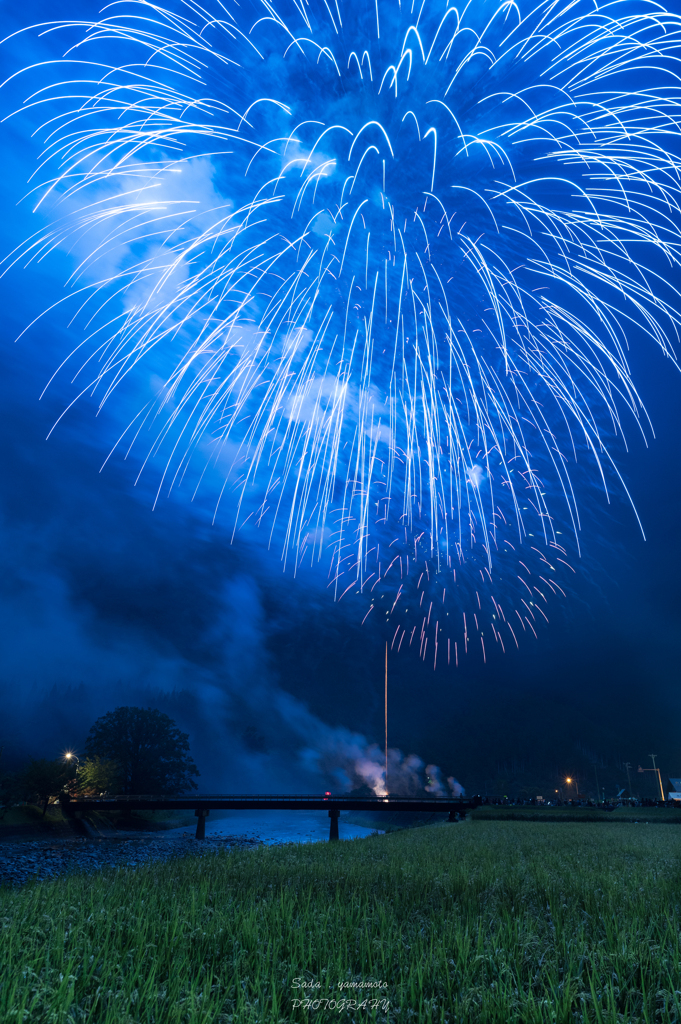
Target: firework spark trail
{"points": [[411, 311]]}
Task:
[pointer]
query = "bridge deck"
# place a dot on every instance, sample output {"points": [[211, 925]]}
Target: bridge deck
{"points": [[202, 804]]}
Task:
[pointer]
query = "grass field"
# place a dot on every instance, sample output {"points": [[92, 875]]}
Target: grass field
{"points": [[392, 821], [489, 922], [642, 815]]}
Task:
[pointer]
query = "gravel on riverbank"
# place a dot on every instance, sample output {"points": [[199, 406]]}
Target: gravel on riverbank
{"points": [[47, 859]]}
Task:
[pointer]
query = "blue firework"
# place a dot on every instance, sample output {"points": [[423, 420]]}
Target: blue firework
{"points": [[404, 314]]}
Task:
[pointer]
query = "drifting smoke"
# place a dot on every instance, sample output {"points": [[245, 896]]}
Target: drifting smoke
{"points": [[286, 740], [245, 731], [352, 765], [436, 786]]}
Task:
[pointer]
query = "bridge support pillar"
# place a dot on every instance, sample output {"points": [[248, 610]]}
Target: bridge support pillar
{"points": [[453, 816], [333, 825], [201, 813]]}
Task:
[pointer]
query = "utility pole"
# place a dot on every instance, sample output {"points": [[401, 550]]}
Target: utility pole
{"points": [[598, 788], [657, 771], [659, 777], [628, 766]]}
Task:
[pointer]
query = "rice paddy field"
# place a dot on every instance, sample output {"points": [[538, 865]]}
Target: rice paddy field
{"points": [[485, 921]]}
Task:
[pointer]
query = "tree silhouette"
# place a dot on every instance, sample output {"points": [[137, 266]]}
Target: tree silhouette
{"points": [[149, 749], [43, 779]]}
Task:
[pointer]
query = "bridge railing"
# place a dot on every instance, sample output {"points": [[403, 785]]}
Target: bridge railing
{"points": [[266, 797]]}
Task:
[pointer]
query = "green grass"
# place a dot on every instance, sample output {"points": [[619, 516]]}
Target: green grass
{"points": [[481, 923], [391, 821], [652, 815]]}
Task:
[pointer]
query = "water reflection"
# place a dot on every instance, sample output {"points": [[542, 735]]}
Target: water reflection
{"points": [[273, 827]]}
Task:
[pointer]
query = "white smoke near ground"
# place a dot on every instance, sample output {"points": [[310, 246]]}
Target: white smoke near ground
{"points": [[339, 759], [353, 763], [456, 787], [434, 781], [436, 786]]}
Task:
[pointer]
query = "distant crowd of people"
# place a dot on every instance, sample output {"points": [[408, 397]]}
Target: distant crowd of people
{"points": [[606, 805]]}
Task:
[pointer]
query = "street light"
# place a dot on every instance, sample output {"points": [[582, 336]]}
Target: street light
{"points": [[69, 756]]}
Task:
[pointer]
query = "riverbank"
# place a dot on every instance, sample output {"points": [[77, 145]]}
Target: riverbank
{"points": [[55, 849], [481, 922], [49, 859]]}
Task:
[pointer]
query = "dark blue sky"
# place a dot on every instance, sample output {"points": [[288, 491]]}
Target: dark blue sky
{"points": [[105, 600]]}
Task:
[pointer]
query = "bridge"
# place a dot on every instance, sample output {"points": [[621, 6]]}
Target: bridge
{"points": [[74, 807]]}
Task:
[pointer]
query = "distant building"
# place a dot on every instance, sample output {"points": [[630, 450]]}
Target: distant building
{"points": [[675, 795]]}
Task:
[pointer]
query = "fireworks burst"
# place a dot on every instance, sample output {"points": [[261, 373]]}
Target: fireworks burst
{"points": [[401, 315]]}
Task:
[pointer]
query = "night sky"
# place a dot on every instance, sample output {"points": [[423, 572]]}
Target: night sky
{"points": [[107, 600]]}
